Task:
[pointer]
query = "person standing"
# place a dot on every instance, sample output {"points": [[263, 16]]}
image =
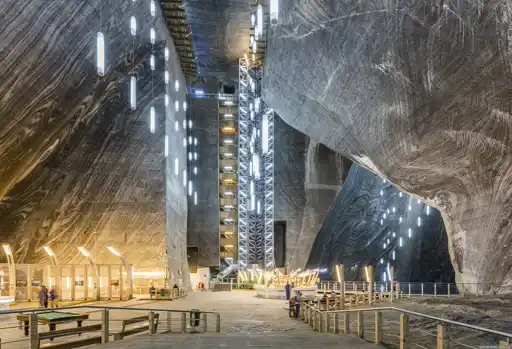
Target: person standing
{"points": [[287, 289], [297, 304], [51, 297]]}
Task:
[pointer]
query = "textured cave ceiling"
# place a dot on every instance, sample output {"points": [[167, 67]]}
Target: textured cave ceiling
{"points": [[418, 92], [220, 31]]}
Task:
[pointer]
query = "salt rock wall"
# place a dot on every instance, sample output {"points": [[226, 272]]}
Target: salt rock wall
{"points": [[417, 92], [372, 223], [78, 167], [308, 176]]}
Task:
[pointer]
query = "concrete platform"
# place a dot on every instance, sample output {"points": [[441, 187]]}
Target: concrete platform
{"points": [[306, 339]]}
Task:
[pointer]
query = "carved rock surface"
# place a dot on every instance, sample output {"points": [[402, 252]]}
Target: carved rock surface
{"points": [[78, 167], [416, 92]]}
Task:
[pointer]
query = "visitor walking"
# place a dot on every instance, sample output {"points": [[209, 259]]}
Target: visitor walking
{"points": [[287, 289], [43, 297], [51, 297], [297, 304]]}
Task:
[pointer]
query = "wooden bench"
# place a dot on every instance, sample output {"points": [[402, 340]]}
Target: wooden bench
{"points": [[127, 332], [69, 332]]}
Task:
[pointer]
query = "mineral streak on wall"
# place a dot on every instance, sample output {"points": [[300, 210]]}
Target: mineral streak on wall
{"points": [[78, 167], [372, 223], [417, 93]]}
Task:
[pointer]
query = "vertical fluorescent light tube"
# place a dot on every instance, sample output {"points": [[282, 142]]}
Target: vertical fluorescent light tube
{"points": [[254, 46], [176, 125], [264, 137], [185, 107], [176, 166], [189, 123], [166, 149], [166, 100], [410, 232], [177, 106], [133, 25], [428, 210], [400, 242], [253, 20], [166, 77], [176, 85], [152, 62], [133, 92], [260, 20], [251, 188], [185, 178], [274, 11], [258, 207], [195, 197], [166, 53], [195, 170], [256, 165], [253, 202], [152, 120], [152, 8], [419, 221], [100, 54], [152, 35], [189, 188]]}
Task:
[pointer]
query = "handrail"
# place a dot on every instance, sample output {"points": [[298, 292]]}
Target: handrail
{"points": [[38, 310], [431, 317]]}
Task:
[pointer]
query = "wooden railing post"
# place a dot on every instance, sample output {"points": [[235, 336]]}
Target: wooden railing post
{"points": [[183, 322], [205, 322], [409, 290], [449, 287], [422, 289], [169, 321], [378, 327], [33, 335], [435, 289], [336, 323], [360, 324], [346, 323], [404, 330], [151, 322], [443, 341], [217, 323], [104, 326]]}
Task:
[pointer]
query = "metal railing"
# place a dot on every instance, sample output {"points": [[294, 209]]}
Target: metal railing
{"points": [[411, 289], [407, 330], [145, 292], [86, 325]]}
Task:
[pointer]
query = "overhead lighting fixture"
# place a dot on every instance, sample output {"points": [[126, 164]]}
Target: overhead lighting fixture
{"points": [[48, 251], [185, 178], [228, 103], [166, 53], [254, 46], [152, 62], [166, 77], [166, 145], [195, 170], [410, 232], [228, 155], [83, 251], [259, 19], [190, 188], [185, 141], [428, 210], [189, 140], [189, 123], [419, 221], [274, 12], [253, 20], [114, 251], [100, 53], [195, 197], [228, 141], [176, 166], [195, 140], [133, 25], [152, 35], [176, 125], [133, 92], [166, 100], [176, 106], [189, 156], [185, 107], [152, 120], [152, 8], [228, 116], [199, 92], [195, 155], [176, 85]]}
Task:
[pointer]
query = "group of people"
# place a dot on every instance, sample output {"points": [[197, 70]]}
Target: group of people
{"points": [[47, 296], [293, 302]]}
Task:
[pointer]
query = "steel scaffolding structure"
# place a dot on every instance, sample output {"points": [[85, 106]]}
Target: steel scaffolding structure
{"points": [[243, 162], [256, 171]]}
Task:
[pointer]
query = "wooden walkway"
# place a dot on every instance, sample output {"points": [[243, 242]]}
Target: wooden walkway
{"points": [[307, 339]]}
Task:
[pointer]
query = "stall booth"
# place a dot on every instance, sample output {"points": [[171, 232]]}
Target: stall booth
{"points": [[70, 281]]}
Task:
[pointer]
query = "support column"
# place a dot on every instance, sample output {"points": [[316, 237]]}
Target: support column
{"points": [[342, 286], [360, 324], [33, 336], [370, 282], [346, 323], [121, 286], [392, 278], [72, 282], [404, 330], [29, 283], [86, 281], [109, 282], [378, 327], [104, 326]]}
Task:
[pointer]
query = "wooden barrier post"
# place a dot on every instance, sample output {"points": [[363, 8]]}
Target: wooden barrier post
{"points": [[33, 335], [422, 289], [449, 287], [443, 341], [404, 330], [346, 323], [183, 322], [370, 282], [435, 289], [378, 327], [217, 323], [151, 322], [409, 290], [360, 324], [169, 321], [336, 324], [326, 322], [205, 322], [104, 326]]}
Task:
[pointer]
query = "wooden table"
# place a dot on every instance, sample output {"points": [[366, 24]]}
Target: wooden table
{"points": [[52, 318]]}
